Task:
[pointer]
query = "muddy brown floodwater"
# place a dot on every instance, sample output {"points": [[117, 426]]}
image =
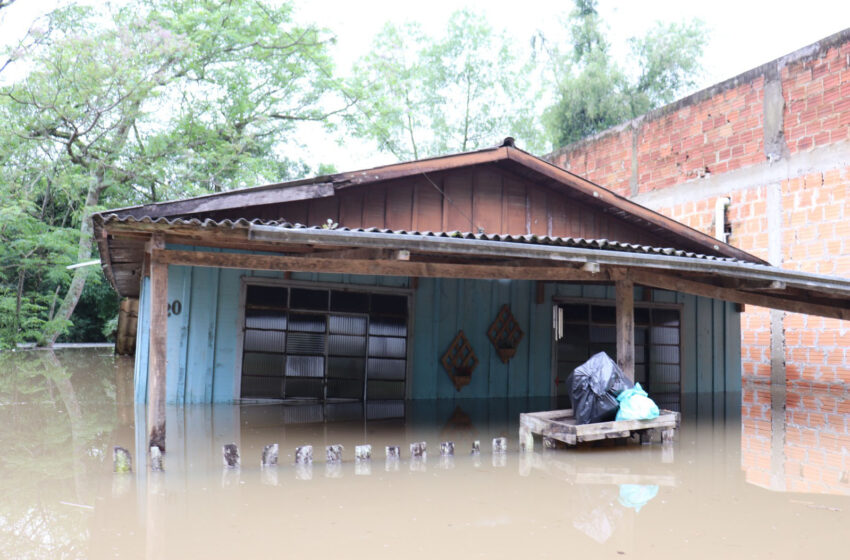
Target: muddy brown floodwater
{"points": [[774, 485]]}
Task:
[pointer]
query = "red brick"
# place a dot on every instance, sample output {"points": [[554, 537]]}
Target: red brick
{"points": [[724, 133]]}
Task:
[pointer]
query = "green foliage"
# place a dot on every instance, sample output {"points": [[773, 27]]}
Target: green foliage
{"points": [[33, 255], [147, 102], [595, 93], [97, 308], [166, 99], [109, 329], [419, 97]]}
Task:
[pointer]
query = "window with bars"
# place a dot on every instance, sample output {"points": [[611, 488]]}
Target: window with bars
{"points": [[323, 344], [586, 329]]}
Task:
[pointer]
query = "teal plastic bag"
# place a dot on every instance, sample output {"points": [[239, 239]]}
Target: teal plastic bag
{"points": [[636, 496], [635, 404]]}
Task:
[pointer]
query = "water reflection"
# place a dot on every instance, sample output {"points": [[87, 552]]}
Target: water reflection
{"points": [[797, 440], [725, 488]]}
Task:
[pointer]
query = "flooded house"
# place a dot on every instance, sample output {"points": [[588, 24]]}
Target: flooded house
{"points": [[481, 275]]}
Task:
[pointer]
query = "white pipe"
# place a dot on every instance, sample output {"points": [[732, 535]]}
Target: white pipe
{"points": [[720, 218], [82, 264]]}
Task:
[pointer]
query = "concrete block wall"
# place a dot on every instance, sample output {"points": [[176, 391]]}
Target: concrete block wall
{"points": [[776, 142]]}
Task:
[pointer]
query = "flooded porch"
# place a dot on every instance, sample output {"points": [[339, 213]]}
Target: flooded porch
{"points": [[771, 482]]}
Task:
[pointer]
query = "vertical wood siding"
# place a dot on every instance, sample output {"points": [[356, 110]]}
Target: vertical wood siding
{"points": [[203, 339], [468, 199]]}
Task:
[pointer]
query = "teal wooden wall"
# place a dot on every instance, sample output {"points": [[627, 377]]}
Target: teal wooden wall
{"points": [[443, 307], [203, 338]]}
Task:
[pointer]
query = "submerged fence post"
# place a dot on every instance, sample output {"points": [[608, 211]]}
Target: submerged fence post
{"points": [[156, 459], [230, 454], [304, 455], [121, 461], [500, 445], [363, 453], [334, 453], [270, 455], [418, 449], [363, 460], [333, 466], [447, 455], [393, 458]]}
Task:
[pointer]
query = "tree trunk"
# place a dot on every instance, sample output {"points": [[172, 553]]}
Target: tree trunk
{"points": [[98, 184], [21, 276], [78, 282]]}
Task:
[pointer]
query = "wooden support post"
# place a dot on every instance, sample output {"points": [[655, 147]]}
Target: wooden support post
{"points": [[626, 325], [526, 439], [158, 338]]}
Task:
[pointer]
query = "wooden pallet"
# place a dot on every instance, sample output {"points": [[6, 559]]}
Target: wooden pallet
{"points": [[560, 425]]}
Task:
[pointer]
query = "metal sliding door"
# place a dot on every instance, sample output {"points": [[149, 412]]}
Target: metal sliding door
{"points": [[586, 329], [323, 344]]}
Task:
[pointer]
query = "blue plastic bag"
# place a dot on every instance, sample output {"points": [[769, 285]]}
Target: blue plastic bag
{"points": [[635, 404], [636, 496]]}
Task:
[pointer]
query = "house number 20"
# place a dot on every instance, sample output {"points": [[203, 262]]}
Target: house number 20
{"points": [[175, 307]]}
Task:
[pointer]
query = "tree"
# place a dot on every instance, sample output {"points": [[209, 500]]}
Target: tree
{"points": [[419, 97], [595, 93], [162, 99]]}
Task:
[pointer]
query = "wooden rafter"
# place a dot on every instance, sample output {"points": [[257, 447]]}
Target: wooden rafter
{"points": [[389, 267], [679, 284]]}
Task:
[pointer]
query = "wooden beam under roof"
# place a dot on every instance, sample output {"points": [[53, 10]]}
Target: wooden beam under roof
{"points": [[533, 270], [803, 293], [684, 285], [256, 196], [383, 267]]}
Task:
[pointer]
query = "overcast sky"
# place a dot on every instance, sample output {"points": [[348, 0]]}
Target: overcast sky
{"points": [[743, 33]]}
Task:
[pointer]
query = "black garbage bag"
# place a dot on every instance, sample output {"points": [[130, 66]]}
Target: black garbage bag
{"points": [[593, 388]]}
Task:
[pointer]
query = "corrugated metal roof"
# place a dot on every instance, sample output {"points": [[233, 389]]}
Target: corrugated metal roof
{"points": [[542, 240], [505, 157], [659, 267]]}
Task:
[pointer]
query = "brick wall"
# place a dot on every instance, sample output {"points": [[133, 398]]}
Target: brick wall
{"points": [[813, 453], [782, 126]]}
